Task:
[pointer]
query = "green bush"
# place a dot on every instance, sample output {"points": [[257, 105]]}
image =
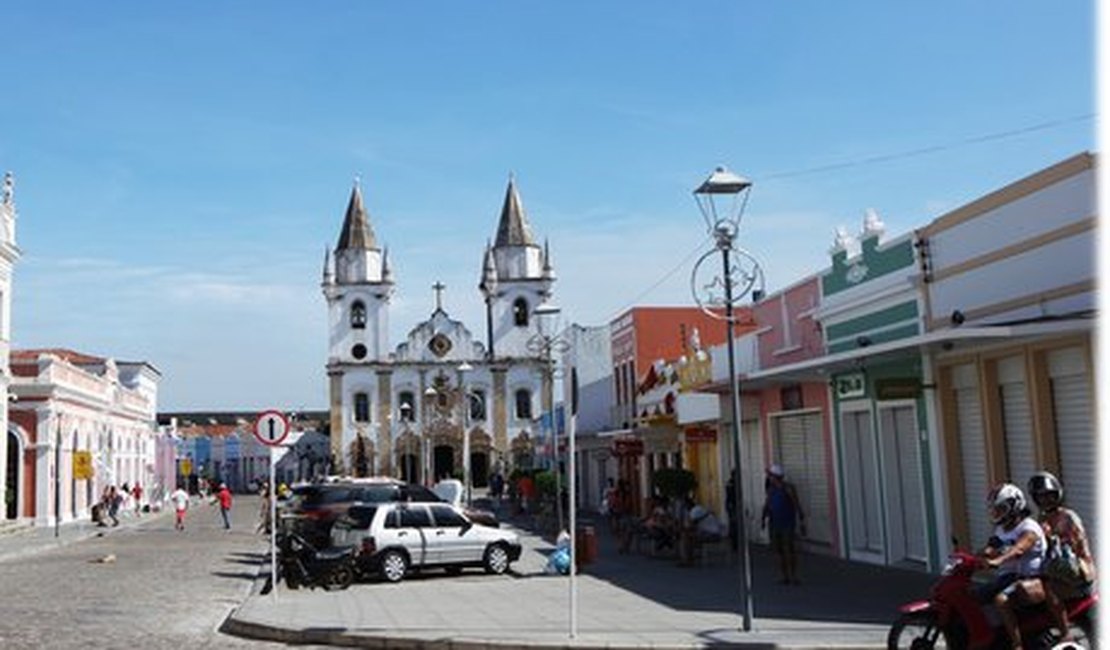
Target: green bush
{"points": [[545, 483]]}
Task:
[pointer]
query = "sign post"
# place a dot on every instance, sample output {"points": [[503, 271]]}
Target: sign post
{"points": [[270, 428]]}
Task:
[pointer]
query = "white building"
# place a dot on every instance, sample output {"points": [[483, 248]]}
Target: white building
{"points": [[413, 410], [74, 411], [9, 255]]}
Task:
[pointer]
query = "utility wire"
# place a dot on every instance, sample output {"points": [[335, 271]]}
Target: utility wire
{"points": [[699, 249], [1000, 135], [989, 137]]}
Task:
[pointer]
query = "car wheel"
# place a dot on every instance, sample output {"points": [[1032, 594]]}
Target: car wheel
{"points": [[393, 566], [496, 559]]}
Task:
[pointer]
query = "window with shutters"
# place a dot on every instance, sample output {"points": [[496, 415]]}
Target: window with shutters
{"points": [[524, 404], [362, 407]]}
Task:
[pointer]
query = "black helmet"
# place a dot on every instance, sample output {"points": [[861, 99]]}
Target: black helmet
{"points": [[1046, 490]]}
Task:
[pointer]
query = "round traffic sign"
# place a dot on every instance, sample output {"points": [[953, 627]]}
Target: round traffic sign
{"points": [[271, 427]]}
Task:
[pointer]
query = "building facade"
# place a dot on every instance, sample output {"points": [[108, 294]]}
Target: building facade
{"points": [[11, 452], [442, 400], [82, 423]]}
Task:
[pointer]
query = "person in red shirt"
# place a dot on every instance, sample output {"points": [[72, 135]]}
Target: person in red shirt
{"points": [[137, 494], [224, 498]]}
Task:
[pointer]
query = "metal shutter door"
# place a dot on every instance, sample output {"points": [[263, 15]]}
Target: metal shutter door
{"points": [[905, 497], [1075, 433], [859, 477], [801, 451], [973, 454], [1017, 420], [753, 479], [818, 519]]}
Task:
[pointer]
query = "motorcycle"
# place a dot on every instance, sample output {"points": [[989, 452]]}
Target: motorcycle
{"points": [[301, 563], [952, 616]]}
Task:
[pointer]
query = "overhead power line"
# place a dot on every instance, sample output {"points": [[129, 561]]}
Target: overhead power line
{"points": [[870, 160], [989, 137]]}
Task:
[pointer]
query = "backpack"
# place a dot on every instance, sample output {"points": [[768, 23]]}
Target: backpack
{"points": [[1062, 564]]}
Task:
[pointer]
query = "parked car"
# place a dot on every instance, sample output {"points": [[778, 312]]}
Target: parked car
{"points": [[394, 538], [313, 508]]}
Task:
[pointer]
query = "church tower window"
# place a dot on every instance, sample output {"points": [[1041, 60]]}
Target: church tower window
{"points": [[358, 351], [362, 407], [358, 315], [408, 406], [520, 312], [524, 404]]}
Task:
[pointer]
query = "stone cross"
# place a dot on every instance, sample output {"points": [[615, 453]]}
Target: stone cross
{"points": [[439, 287]]}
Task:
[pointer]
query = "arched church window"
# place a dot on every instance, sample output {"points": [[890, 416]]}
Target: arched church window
{"points": [[358, 315], [477, 405], [407, 406], [520, 312], [362, 407], [524, 404]]}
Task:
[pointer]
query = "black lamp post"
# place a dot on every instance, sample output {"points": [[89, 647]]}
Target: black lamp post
{"points": [[721, 200]]}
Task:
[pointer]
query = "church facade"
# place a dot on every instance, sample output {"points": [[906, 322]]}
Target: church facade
{"points": [[420, 409]]}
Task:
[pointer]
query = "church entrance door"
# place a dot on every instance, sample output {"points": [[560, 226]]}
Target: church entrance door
{"points": [[444, 462], [410, 468], [11, 489], [479, 468]]}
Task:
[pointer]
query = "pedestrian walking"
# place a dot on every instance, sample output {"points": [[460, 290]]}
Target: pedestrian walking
{"points": [[180, 499], [137, 495], [264, 512], [224, 499], [114, 501], [784, 512]]}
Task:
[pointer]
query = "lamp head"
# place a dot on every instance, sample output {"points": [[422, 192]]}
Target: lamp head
{"points": [[718, 198]]}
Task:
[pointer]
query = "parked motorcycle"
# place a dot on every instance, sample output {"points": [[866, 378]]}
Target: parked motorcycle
{"points": [[301, 563], [952, 616]]}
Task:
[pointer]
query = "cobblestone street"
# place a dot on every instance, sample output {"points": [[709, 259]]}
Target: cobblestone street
{"points": [[165, 589]]}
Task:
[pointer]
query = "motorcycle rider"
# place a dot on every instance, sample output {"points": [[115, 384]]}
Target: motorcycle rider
{"points": [[1017, 550], [1063, 523]]}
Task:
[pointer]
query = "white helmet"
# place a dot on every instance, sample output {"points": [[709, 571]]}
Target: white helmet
{"points": [[1006, 501]]}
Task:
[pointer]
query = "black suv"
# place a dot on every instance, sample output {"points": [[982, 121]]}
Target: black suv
{"points": [[312, 509]]}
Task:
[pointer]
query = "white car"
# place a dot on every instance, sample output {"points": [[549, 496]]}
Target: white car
{"points": [[395, 537]]}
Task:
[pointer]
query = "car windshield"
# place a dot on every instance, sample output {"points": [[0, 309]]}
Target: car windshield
{"points": [[357, 517]]}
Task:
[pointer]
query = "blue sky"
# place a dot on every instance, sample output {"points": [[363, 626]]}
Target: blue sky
{"points": [[181, 167]]}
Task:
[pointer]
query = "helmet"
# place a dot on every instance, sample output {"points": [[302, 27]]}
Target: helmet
{"points": [[776, 471], [1046, 490], [1005, 502]]}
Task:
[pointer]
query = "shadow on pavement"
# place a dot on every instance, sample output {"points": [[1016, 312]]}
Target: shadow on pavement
{"points": [[832, 589], [241, 575]]}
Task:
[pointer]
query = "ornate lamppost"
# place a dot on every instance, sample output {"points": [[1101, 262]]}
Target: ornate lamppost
{"points": [[721, 200], [544, 343]]}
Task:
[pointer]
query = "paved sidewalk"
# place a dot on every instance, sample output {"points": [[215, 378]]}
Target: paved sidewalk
{"points": [[36, 539], [624, 601]]}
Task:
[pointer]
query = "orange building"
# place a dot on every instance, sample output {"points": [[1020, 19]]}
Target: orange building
{"points": [[643, 439]]}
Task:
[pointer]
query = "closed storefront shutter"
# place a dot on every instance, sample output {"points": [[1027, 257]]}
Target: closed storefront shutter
{"points": [[861, 486], [905, 496], [973, 453], [800, 448], [1017, 420], [753, 479], [1075, 432]]}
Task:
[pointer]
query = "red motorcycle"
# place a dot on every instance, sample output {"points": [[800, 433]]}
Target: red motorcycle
{"points": [[953, 617]]}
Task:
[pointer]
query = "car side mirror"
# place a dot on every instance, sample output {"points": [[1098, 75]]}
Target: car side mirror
{"points": [[465, 527]]}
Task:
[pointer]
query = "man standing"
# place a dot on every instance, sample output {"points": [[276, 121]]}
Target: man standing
{"points": [[784, 512], [224, 497], [180, 499]]}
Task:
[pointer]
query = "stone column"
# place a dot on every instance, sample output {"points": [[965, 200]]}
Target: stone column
{"points": [[500, 412], [384, 443], [335, 408]]}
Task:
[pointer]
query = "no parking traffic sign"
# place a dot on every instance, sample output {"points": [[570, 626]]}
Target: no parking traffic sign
{"points": [[271, 427]]}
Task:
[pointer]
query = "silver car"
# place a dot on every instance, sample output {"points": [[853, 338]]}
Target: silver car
{"points": [[394, 538]]}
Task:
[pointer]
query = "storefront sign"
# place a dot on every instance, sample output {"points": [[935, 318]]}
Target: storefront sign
{"points": [[898, 388], [82, 465], [701, 434], [849, 386], [628, 447]]}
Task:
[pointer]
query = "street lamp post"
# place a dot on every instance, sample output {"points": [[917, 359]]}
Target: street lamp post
{"points": [[721, 200], [463, 368], [543, 344]]}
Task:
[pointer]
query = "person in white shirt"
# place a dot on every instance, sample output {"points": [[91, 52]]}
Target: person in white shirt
{"points": [[1017, 550], [180, 499]]}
